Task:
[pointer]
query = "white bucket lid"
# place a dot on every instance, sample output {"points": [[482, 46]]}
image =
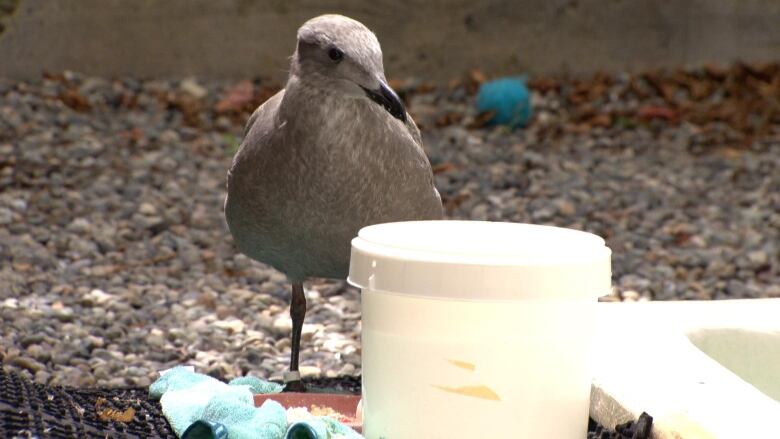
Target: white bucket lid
{"points": [[480, 260]]}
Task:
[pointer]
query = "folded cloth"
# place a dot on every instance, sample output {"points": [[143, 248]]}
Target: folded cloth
{"points": [[188, 398], [201, 407]]}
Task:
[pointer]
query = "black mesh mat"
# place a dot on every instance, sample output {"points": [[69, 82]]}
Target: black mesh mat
{"points": [[31, 410], [630, 430]]}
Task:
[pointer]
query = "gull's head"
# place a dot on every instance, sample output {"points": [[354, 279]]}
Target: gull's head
{"points": [[341, 54]]}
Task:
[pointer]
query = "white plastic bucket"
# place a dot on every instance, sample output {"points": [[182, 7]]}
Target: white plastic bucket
{"points": [[477, 329]]}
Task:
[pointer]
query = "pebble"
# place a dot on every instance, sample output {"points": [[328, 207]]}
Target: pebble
{"points": [[232, 326], [191, 86], [758, 258], [6, 216], [283, 325], [115, 261], [309, 371], [147, 209], [347, 369], [630, 296], [26, 363]]}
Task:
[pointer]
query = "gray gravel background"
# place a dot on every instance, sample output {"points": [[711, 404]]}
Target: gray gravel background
{"points": [[115, 261]]}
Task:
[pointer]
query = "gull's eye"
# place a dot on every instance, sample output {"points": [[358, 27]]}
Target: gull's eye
{"points": [[335, 54]]}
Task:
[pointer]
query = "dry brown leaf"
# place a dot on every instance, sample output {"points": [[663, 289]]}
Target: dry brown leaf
{"points": [[444, 167], [396, 84], [649, 112], [449, 118], [602, 120], [482, 119], [74, 100], [544, 84], [238, 97], [477, 76], [109, 414]]}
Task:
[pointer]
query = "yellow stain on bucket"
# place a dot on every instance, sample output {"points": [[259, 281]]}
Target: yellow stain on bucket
{"points": [[483, 392], [479, 391], [464, 365]]}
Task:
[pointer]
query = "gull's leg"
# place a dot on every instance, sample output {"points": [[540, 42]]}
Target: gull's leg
{"points": [[292, 379]]}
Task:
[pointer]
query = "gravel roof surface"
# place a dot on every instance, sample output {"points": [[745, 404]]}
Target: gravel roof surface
{"points": [[115, 261]]}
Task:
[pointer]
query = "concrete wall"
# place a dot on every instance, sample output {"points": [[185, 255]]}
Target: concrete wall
{"points": [[436, 39]]}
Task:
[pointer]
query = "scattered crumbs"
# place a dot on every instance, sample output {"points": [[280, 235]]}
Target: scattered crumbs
{"points": [[109, 414]]}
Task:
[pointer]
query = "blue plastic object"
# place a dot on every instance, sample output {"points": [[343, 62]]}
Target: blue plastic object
{"points": [[301, 430], [509, 99], [205, 430]]}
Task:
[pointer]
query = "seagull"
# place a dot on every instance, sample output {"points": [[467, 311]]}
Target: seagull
{"points": [[331, 153]]}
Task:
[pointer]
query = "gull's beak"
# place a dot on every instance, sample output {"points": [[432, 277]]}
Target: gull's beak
{"points": [[386, 97]]}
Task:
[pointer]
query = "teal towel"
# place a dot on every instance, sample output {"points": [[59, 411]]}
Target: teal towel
{"points": [[201, 407]]}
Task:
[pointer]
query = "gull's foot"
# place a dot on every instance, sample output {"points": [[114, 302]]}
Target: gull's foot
{"points": [[294, 386], [292, 382]]}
